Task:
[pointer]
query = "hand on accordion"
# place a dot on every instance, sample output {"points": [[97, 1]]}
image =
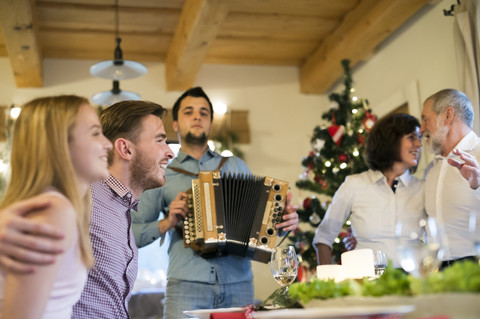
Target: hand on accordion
{"points": [[177, 212], [290, 218]]}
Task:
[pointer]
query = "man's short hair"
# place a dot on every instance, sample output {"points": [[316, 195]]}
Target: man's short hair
{"points": [[456, 99], [192, 92]]}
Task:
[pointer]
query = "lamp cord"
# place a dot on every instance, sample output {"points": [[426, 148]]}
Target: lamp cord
{"points": [[117, 32]]}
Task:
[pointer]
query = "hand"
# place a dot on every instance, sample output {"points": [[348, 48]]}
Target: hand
{"points": [[290, 216], [25, 243], [178, 209], [350, 242], [469, 168]]}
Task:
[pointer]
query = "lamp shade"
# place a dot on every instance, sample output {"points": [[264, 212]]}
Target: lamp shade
{"points": [[107, 98], [118, 69]]}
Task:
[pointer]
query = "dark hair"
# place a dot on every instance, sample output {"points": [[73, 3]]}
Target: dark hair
{"points": [[124, 119], [192, 92], [383, 143]]}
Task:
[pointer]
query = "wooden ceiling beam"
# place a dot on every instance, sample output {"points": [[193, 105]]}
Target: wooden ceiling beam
{"points": [[20, 34], [362, 30], [197, 29]]}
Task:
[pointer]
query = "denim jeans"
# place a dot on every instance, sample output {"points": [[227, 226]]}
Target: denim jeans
{"points": [[187, 295]]}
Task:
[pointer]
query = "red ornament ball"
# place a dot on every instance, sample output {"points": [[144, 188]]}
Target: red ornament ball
{"points": [[306, 203]]}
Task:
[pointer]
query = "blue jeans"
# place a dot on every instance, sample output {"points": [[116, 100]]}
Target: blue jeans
{"points": [[187, 295]]}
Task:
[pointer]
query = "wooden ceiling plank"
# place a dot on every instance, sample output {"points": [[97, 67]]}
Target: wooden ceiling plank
{"points": [[358, 35], [276, 26], [259, 51], [101, 18], [303, 8], [20, 34], [101, 45], [196, 30], [3, 48]]}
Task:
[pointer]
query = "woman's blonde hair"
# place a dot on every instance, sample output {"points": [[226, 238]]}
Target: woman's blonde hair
{"points": [[40, 158]]}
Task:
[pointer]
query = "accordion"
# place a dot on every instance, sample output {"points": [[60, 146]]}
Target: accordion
{"points": [[234, 214]]}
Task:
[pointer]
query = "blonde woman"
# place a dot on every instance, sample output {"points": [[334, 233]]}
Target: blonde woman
{"points": [[58, 151]]}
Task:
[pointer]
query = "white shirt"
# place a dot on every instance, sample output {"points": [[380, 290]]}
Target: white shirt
{"points": [[374, 210], [449, 198]]}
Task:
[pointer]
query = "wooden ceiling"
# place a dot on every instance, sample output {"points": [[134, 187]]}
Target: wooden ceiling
{"points": [[314, 35]]}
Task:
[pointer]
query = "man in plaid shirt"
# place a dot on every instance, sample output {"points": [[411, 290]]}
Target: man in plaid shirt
{"points": [[138, 161]]}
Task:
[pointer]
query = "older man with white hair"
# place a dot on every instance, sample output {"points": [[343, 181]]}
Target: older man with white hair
{"points": [[452, 179]]}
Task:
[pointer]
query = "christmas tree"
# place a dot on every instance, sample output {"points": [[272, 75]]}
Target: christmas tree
{"points": [[337, 151]]}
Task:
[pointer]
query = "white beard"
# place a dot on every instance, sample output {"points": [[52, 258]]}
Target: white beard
{"points": [[437, 140]]}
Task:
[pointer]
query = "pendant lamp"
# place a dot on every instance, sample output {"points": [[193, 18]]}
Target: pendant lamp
{"points": [[118, 68], [115, 95]]}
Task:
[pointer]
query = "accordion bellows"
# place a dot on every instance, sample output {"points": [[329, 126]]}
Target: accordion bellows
{"points": [[234, 214]]}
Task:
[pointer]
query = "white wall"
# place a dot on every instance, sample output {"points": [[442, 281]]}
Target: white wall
{"points": [[414, 63]]}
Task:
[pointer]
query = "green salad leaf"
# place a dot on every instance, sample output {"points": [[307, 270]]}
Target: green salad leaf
{"points": [[461, 277]]}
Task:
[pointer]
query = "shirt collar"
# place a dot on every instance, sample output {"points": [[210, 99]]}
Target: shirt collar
{"points": [[117, 186], [376, 176], [182, 156], [467, 143]]}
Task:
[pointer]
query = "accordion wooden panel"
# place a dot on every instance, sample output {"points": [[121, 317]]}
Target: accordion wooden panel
{"points": [[234, 214]]}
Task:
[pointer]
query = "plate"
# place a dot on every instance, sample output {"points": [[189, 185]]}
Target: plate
{"points": [[334, 312], [205, 313]]}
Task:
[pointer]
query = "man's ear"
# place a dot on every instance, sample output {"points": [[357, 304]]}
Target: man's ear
{"points": [[175, 126], [124, 148], [449, 114]]}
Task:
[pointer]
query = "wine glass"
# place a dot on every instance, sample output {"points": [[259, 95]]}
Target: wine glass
{"points": [[380, 262], [420, 246], [474, 231], [284, 265]]}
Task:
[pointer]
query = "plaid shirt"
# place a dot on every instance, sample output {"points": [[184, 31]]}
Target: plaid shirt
{"points": [[111, 280]]}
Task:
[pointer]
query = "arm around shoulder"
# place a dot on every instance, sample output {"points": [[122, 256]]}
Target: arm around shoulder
{"points": [[34, 289]]}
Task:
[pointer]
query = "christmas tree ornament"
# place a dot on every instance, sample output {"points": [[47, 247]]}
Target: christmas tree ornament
{"points": [[343, 158], [303, 176], [306, 203], [318, 145], [314, 219], [368, 120], [336, 132], [361, 139]]}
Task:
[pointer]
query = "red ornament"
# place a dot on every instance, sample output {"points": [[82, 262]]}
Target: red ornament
{"points": [[336, 132], [361, 139], [368, 120], [306, 203], [323, 183], [342, 158], [343, 234]]}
